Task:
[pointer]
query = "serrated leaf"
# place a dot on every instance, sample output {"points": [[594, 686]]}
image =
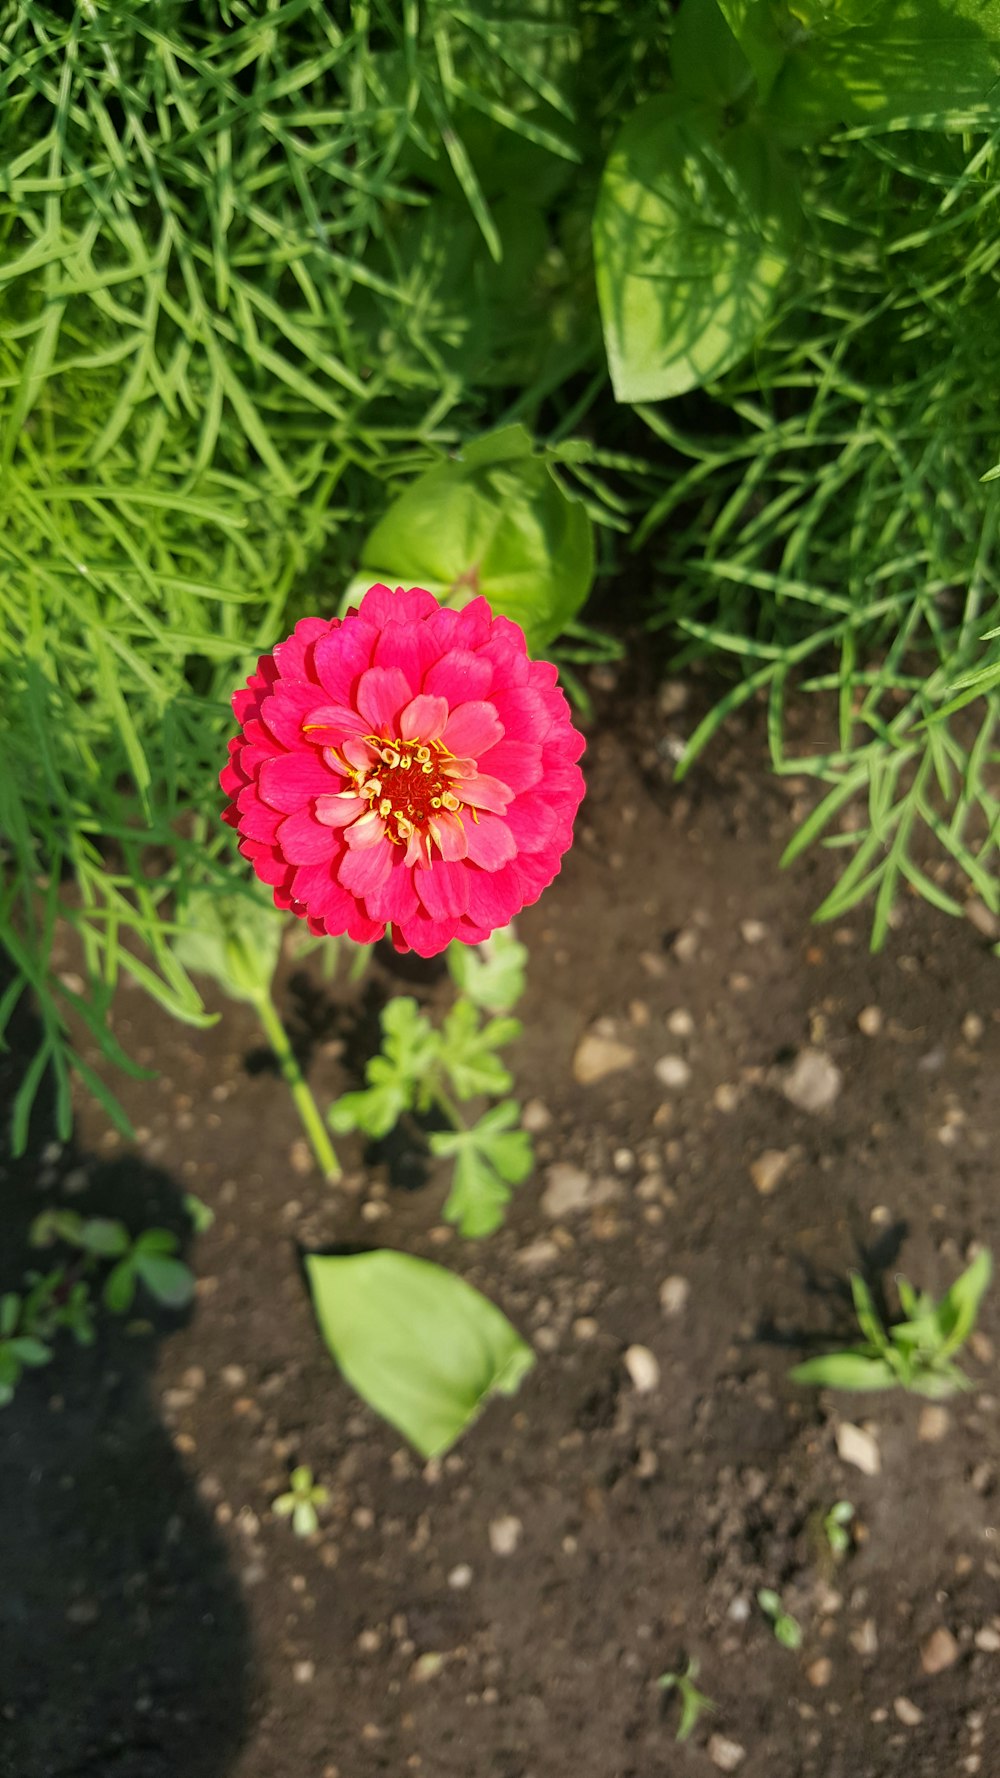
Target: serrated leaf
{"points": [[468, 1051], [422, 1347], [489, 1157], [491, 975], [372, 1110]]}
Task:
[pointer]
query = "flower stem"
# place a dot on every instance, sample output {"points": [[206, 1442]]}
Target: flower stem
{"points": [[305, 1104]]}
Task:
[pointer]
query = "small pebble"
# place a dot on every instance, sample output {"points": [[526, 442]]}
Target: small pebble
{"points": [[724, 1754], [585, 1328], [426, 1667], [674, 1295], [769, 1169], [505, 1534], [304, 1672], [939, 1652], [988, 1640], [597, 1056], [870, 1021], [300, 1156], [813, 1082], [933, 1424], [642, 1369], [907, 1712], [460, 1577], [972, 1027], [536, 1117], [726, 1097], [752, 932], [820, 1672], [672, 1071], [864, 1640], [858, 1447], [537, 1255], [680, 1023]]}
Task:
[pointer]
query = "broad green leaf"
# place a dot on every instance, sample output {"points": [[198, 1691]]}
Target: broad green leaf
{"points": [[490, 974], [119, 1287], [845, 1370], [824, 63], [494, 521], [422, 1347], [468, 1051], [489, 1158], [27, 1350], [236, 939], [104, 1237], [705, 58], [169, 1280], [693, 231], [958, 1308]]}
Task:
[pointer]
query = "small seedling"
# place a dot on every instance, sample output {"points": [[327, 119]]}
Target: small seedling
{"points": [[913, 1354], [787, 1630], [694, 1703], [835, 1527], [301, 1501]]}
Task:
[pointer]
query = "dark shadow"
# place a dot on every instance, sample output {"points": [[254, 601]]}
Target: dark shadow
{"points": [[873, 1259], [124, 1649]]}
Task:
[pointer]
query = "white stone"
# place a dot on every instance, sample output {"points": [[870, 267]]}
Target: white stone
{"points": [[598, 1056], [505, 1534], [672, 1071], [567, 1188], [858, 1447], [674, 1294], [813, 1082], [642, 1369], [724, 1754], [536, 1117]]}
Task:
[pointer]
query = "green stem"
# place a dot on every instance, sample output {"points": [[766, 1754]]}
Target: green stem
{"points": [[449, 1108], [305, 1104]]}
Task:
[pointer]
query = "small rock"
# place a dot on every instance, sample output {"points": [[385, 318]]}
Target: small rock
{"points": [[426, 1667], [864, 1640], [674, 1294], [537, 1255], [304, 1672], [870, 1021], [567, 1189], [933, 1423], [972, 1027], [858, 1447], [585, 1328], [907, 1712], [820, 1672], [672, 1071], [598, 1056], [984, 1478], [726, 1097], [460, 1578], [300, 1156], [642, 1369], [753, 932], [536, 1117], [981, 1347], [672, 697], [505, 1534], [983, 918], [939, 1652], [769, 1169], [680, 1023], [724, 1754], [685, 945], [988, 1640], [813, 1082], [234, 1376], [623, 1160]]}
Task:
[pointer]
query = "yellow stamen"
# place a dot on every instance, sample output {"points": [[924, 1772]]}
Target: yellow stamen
{"points": [[450, 801]]}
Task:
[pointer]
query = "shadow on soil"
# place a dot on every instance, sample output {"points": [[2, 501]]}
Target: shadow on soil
{"points": [[123, 1639]]}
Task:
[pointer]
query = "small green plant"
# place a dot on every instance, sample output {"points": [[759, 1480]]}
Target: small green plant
{"points": [[421, 1067], [300, 1503], [62, 1300], [835, 1527], [694, 1704], [915, 1353], [787, 1629]]}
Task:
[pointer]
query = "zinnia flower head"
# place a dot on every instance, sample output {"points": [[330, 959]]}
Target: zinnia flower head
{"points": [[406, 766]]}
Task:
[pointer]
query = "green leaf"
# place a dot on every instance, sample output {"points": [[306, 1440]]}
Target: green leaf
{"points": [[705, 58], [959, 1307], [373, 1110], [468, 1051], [693, 232], [201, 1215], [824, 63], [29, 1351], [489, 1158], [422, 1347], [864, 1309], [491, 975], [494, 521], [101, 1236], [119, 1287], [169, 1280], [235, 939], [845, 1370]]}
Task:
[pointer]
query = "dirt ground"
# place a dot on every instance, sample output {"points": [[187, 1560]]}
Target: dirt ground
{"points": [[589, 1535]]}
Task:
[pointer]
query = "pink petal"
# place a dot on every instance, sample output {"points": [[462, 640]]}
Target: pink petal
{"points": [[303, 840], [459, 676], [444, 890], [533, 823], [292, 778], [367, 868], [543, 675], [316, 889], [491, 842], [517, 763], [255, 820], [424, 719], [523, 712], [483, 792], [368, 831], [472, 728], [325, 725], [409, 646], [474, 624], [427, 937], [286, 709], [382, 693], [269, 865], [292, 658], [380, 604], [340, 809], [396, 899], [494, 898], [341, 658], [449, 835]]}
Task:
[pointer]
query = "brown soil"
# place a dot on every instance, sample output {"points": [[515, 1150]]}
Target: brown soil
{"points": [[157, 1619]]}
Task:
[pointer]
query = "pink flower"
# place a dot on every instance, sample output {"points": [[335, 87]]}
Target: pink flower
{"points": [[408, 767]]}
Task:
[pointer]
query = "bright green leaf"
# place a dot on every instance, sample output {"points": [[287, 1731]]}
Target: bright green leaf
{"points": [[489, 1158], [693, 231], [705, 58], [422, 1347], [846, 1370], [468, 1051], [491, 975]]}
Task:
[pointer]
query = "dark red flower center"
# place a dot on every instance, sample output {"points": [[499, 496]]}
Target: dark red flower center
{"points": [[408, 783]]}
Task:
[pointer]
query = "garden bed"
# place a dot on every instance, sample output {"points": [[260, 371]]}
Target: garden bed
{"points": [[506, 1612]]}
